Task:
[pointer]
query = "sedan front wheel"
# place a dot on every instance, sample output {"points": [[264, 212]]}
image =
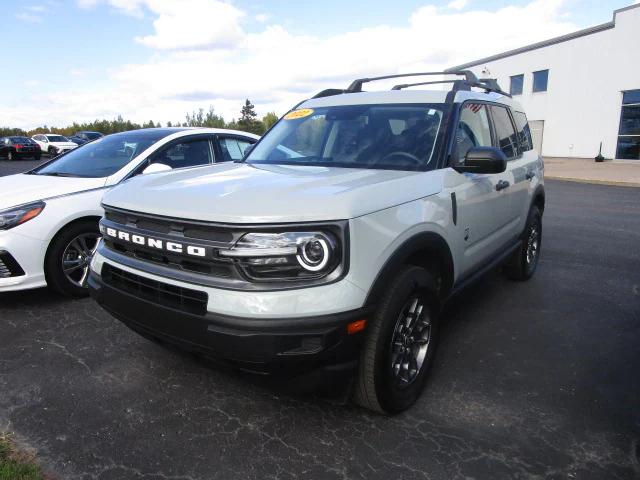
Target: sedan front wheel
{"points": [[69, 257]]}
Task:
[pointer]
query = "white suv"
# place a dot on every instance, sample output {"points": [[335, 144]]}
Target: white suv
{"points": [[332, 245], [54, 145]]}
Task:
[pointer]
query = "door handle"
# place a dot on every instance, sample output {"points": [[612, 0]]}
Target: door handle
{"points": [[502, 184], [530, 174]]}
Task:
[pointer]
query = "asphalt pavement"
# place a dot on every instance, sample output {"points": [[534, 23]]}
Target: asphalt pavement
{"points": [[533, 380], [19, 166]]}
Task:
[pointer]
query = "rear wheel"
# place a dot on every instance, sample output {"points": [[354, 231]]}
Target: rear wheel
{"points": [[524, 261], [11, 156], [69, 256], [37, 156], [400, 344]]}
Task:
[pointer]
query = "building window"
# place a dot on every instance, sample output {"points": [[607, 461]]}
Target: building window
{"points": [[540, 80], [517, 81], [629, 132]]}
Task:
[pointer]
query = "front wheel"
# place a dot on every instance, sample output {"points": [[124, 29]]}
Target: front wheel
{"points": [[524, 261], [11, 156], [69, 256], [52, 152], [400, 344]]}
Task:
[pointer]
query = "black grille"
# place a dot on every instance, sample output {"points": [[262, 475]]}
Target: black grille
{"points": [[179, 298], [9, 267], [169, 226]]}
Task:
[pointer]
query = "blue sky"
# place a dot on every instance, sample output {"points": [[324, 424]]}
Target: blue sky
{"points": [[71, 60]]}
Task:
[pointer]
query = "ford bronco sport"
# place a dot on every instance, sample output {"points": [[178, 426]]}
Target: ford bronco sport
{"points": [[332, 244]]}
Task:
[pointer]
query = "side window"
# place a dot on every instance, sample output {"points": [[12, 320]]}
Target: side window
{"points": [[505, 133], [524, 134], [232, 148], [473, 130], [184, 154]]}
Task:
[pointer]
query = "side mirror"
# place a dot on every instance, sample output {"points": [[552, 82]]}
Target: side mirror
{"points": [[156, 168], [483, 160]]}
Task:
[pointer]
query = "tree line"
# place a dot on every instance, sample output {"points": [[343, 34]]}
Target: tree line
{"points": [[247, 122]]}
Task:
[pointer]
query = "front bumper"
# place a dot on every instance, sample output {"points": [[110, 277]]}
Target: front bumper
{"points": [[24, 258], [286, 346]]}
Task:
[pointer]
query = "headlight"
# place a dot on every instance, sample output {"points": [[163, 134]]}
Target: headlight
{"points": [[18, 215], [286, 256]]}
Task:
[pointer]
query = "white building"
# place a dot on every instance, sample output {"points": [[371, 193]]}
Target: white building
{"points": [[579, 89]]}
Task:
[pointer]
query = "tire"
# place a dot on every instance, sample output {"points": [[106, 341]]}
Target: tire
{"points": [[51, 152], [11, 156], [382, 385], [68, 257], [37, 157], [524, 261]]}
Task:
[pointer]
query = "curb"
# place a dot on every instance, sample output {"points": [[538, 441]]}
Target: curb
{"points": [[593, 182]]}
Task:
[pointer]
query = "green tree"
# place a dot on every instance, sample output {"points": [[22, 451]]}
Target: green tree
{"points": [[269, 120], [247, 121]]}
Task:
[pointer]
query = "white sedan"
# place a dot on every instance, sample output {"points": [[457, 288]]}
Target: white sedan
{"points": [[53, 145], [49, 215]]}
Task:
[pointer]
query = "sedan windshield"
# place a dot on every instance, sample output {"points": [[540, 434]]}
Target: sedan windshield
{"points": [[394, 136], [102, 157]]}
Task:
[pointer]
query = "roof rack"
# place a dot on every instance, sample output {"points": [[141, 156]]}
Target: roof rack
{"points": [[470, 80]]}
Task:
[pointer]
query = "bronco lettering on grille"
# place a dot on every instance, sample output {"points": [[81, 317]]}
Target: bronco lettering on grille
{"points": [[174, 247]]}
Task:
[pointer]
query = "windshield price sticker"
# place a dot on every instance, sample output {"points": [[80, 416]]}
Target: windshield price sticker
{"points": [[303, 112]]}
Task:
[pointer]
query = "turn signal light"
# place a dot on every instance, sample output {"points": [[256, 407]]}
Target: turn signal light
{"points": [[357, 326]]}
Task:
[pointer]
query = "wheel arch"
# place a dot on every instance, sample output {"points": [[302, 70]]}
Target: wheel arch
{"points": [[426, 249], [85, 218], [539, 198]]}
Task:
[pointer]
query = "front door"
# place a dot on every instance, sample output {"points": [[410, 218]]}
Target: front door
{"points": [[483, 213]]}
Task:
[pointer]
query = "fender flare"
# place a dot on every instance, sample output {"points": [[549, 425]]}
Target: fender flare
{"points": [[423, 249]]}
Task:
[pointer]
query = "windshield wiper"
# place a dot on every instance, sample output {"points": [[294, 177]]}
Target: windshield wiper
{"points": [[59, 174]]}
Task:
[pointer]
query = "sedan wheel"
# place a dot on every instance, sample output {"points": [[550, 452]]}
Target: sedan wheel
{"points": [[69, 256], [77, 257]]}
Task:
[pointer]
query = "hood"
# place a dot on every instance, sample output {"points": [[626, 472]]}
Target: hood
{"points": [[23, 188], [241, 193], [63, 144]]}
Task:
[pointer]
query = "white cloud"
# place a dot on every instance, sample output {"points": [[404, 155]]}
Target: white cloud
{"points": [[263, 17], [28, 17], [457, 4], [221, 64], [193, 24], [36, 8]]}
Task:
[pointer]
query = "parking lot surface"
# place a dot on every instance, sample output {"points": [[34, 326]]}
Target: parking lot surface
{"points": [[532, 380], [19, 166]]}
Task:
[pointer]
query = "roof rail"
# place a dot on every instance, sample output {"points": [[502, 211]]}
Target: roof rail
{"points": [[356, 85], [470, 80]]}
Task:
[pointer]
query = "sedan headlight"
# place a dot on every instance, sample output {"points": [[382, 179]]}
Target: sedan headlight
{"points": [[286, 255], [18, 215]]}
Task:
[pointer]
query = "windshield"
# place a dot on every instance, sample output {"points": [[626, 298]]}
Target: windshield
{"points": [[102, 157], [57, 138], [398, 137], [91, 135]]}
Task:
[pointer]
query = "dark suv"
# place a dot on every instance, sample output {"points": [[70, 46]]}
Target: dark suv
{"points": [[19, 147], [85, 136]]}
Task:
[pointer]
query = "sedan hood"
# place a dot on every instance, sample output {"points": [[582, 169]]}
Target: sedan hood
{"points": [[63, 144], [24, 188], [241, 193]]}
